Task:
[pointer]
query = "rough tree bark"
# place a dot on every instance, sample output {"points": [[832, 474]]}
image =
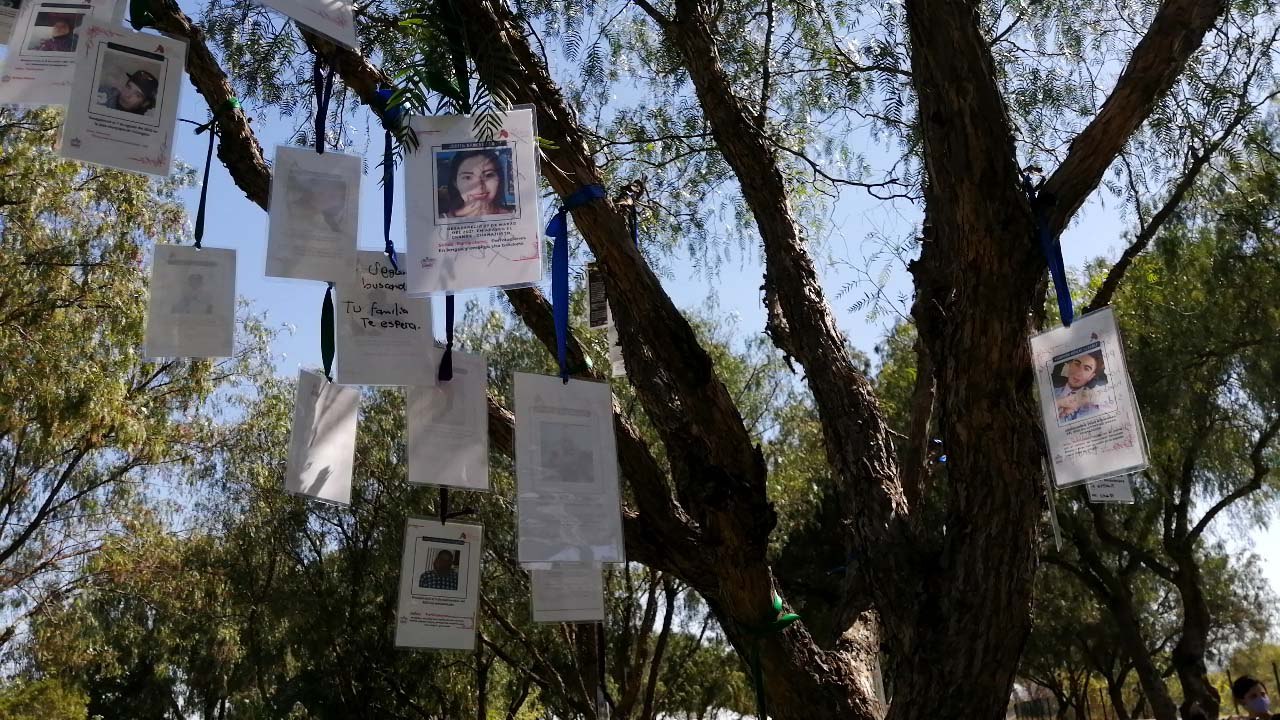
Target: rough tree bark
{"points": [[952, 605]]}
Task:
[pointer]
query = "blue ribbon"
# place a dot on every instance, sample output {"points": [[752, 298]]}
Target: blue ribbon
{"points": [[1051, 247], [558, 231]]}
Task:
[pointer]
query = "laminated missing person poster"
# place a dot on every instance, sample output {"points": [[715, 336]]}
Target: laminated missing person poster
{"points": [[439, 585], [331, 18], [1091, 420], [448, 426], [315, 202], [8, 14], [383, 336], [42, 43], [567, 593], [566, 472], [124, 102], [192, 306], [322, 442], [479, 226]]}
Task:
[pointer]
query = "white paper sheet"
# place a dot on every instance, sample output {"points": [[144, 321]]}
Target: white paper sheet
{"points": [[331, 18], [448, 426], [568, 593], [8, 15], [123, 111], [322, 443], [1091, 420], [617, 366], [474, 222], [439, 585], [1116, 490], [42, 50], [315, 205], [566, 472], [383, 336], [191, 311]]}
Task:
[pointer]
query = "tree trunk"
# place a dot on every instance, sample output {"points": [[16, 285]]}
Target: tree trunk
{"points": [[1115, 691], [1150, 678], [1188, 654]]}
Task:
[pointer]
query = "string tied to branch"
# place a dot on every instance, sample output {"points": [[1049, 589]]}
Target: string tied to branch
{"points": [[211, 127], [392, 116]]}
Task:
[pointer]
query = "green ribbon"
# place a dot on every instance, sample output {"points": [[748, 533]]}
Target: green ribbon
{"points": [[777, 622]]}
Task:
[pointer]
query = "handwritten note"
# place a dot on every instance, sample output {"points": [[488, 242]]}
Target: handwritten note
{"points": [[383, 336]]}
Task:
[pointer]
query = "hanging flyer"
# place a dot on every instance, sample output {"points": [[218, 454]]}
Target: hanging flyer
{"points": [[331, 18], [383, 336], [598, 315], [479, 228], [439, 585], [315, 203], [191, 311], [8, 14], [568, 593], [1118, 490], [617, 365], [1091, 420], [124, 107], [322, 441], [447, 427], [42, 52], [566, 472]]}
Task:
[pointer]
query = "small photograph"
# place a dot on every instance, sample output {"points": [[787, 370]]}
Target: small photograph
{"points": [[195, 298], [1080, 387], [475, 184], [565, 456], [128, 84], [317, 202], [440, 567], [57, 32]]}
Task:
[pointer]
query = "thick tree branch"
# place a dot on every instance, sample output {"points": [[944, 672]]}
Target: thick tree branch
{"points": [[1175, 33], [1200, 159]]}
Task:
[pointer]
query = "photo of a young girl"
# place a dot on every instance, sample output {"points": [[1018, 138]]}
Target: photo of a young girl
{"points": [[1080, 387]]}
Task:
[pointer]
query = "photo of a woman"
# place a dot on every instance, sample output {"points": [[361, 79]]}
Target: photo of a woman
{"points": [[474, 184]]}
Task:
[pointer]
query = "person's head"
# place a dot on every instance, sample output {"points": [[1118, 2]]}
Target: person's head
{"points": [[139, 92], [443, 561], [62, 27], [195, 281], [475, 176], [330, 193], [1251, 693], [1082, 370]]}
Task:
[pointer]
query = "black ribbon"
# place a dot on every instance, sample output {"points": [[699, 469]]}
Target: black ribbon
{"points": [[327, 331], [445, 374], [323, 82]]}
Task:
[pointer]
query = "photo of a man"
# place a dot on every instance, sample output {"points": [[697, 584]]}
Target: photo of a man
{"points": [[137, 94], [1080, 387], [195, 299], [318, 202], [443, 574], [62, 32]]}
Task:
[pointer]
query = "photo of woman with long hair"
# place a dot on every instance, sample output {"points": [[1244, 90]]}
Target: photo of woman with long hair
{"points": [[474, 184]]}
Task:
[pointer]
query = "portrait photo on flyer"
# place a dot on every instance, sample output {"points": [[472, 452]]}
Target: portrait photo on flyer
{"points": [[192, 305], [447, 427], [382, 335], [1091, 419], [322, 439], [439, 585], [124, 107], [314, 215], [476, 225], [43, 41], [568, 500]]}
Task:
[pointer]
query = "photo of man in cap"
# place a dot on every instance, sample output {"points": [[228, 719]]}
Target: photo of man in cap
{"points": [[137, 95]]}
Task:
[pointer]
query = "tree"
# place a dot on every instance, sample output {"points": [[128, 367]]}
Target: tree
{"points": [[1202, 354], [948, 600], [84, 421]]}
